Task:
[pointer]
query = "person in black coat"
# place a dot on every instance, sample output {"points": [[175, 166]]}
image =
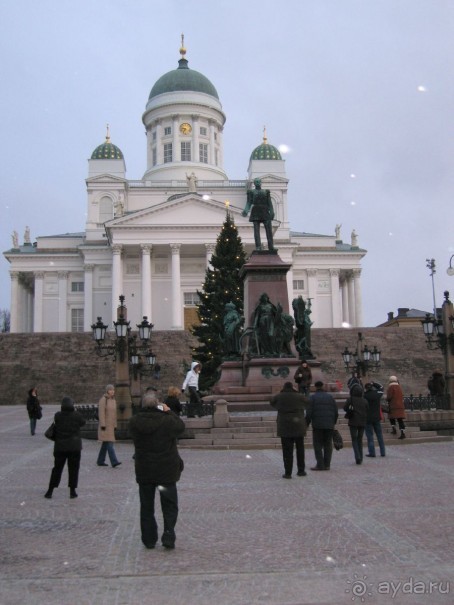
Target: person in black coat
{"points": [[291, 427], [322, 413], [356, 408], [33, 408], [67, 447], [158, 465], [373, 420]]}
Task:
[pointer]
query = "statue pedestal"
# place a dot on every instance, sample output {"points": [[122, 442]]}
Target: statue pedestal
{"points": [[264, 272], [260, 375]]}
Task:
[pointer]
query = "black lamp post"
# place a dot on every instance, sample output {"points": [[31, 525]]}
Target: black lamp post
{"points": [[362, 360], [439, 332], [126, 353]]}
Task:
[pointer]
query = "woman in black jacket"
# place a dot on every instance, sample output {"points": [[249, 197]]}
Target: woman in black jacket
{"points": [[68, 446], [356, 411], [33, 409]]}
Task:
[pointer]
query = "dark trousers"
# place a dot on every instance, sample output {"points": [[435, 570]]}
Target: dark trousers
{"points": [[287, 453], [60, 458], [322, 440], [169, 506], [195, 403], [356, 433], [371, 428], [401, 422]]}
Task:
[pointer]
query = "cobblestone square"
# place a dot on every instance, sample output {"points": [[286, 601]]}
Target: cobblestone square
{"points": [[376, 533]]}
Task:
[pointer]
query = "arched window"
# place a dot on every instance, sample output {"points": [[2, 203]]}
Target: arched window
{"points": [[106, 210]]}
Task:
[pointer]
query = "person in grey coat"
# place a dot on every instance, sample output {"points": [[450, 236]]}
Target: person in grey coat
{"points": [[291, 427], [323, 415]]}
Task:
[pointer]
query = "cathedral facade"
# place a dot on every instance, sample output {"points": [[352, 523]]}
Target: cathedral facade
{"points": [[151, 240]]}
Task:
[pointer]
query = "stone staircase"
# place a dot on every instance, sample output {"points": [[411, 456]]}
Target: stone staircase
{"points": [[258, 431]]}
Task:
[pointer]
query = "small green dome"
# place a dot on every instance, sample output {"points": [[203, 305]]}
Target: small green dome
{"points": [[266, 151], [183, 78], [107, 151]]}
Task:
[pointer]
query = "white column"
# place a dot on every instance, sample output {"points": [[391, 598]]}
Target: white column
{"points": [[358, 298], [176, 147], [176, 287], [209, 253], [28, 311], [312, 292], [88, 297], [15, 311], [117, 279], [159, 144], [62, 300], [212, 143], [351, 300], [146, 281], [195, 139], [344, 292], [335, 298], [38, 303]]}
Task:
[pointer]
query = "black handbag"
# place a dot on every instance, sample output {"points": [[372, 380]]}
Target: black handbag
{"points": [[338, 442], [349, 412], [51, 432], [39, 412]]}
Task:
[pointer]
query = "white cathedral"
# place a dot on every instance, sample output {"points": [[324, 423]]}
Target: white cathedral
{"points": [[151, 240]]}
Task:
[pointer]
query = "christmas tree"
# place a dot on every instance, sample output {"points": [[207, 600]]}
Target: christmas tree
{"points": [[222, 285]]}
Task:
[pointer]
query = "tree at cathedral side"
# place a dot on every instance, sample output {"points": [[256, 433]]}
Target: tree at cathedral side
{"points": [[222, 285]]}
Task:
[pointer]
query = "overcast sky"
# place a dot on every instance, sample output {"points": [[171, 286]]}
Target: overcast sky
{"points": [[361, 91]]}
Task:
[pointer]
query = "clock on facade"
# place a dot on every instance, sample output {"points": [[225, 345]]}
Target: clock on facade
{"points": [[185, 128]]}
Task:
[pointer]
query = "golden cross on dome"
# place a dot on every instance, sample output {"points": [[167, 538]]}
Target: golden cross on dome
{"points": [[182, 49]]}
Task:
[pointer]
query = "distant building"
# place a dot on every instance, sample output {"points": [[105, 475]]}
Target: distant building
{"points": [[152, 239], [405, 318]]}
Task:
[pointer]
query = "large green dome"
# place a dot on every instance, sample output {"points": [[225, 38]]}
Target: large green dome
{"points": [[183, 78], [107, 151]]}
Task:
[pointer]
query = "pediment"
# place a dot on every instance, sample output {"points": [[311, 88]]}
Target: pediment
{"points": [[187, 210], [269, 179], [105, 178]]}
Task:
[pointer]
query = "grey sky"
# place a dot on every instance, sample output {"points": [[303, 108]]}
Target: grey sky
{"points": [[353, 87]]}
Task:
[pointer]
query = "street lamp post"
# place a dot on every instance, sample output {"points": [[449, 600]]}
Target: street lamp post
{"points": [[363, 360], [127, 354], [439, 332]]}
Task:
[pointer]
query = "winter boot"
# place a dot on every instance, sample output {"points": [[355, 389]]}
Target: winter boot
{"points": [[402, 435], [48, 494], [72, 493], [393, 430]]}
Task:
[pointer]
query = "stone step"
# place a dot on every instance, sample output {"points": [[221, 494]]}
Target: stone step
{"points": [[244, 429], [276, 443]]}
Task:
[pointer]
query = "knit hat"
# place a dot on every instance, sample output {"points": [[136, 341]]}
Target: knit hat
{"points": [[392, 379]]}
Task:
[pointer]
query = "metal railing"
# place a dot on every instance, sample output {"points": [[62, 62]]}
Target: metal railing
{"points": [[427, 402], [190, 410]]}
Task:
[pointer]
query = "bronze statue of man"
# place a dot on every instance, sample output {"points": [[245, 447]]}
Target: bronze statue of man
{"points": [[262, 212]]}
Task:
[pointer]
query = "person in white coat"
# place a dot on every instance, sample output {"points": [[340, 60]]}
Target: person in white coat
{"points": [[191, 382]]}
